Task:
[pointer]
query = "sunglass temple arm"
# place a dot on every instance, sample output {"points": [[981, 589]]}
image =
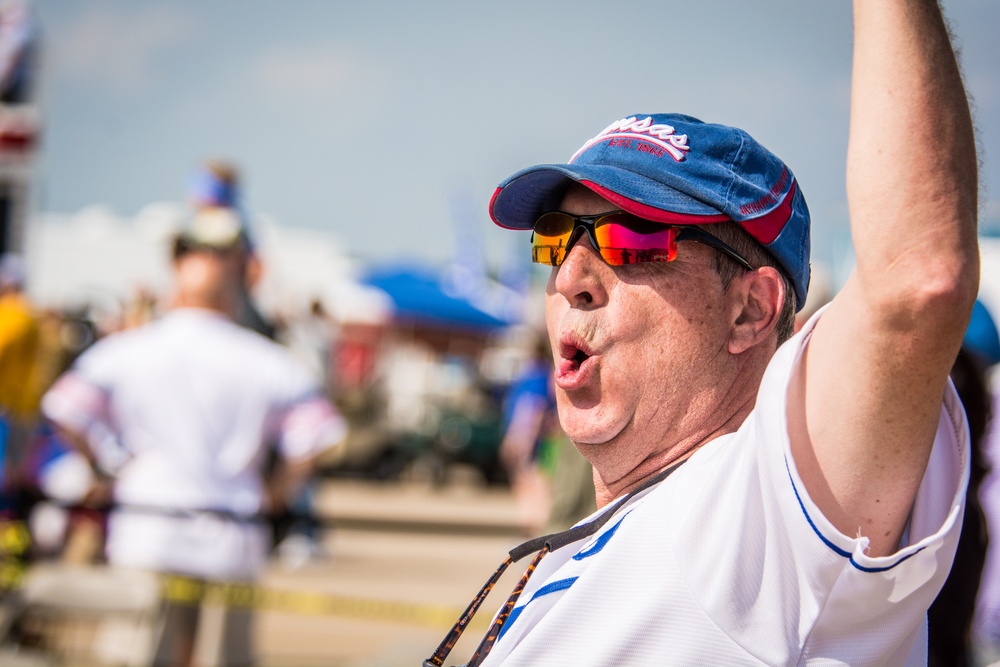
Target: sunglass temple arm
{"points": [[437, 660]]}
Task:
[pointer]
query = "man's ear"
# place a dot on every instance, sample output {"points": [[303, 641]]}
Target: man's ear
{"points": [[756, 300]]}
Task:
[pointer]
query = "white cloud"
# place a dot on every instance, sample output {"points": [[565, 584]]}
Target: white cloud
{"points": [[115, 48]]}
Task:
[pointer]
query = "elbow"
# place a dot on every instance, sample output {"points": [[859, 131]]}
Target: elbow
{"points": [[940, 297], [954, 285]]}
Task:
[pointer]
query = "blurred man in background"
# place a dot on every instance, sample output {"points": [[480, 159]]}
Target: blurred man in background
{"points": [[181, 413], [215, 185]]}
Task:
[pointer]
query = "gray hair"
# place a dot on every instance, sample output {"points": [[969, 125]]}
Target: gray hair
{"points": [[739, 240]]}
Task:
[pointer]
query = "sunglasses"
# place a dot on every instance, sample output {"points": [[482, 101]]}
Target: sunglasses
{"points": [[620, 238]]}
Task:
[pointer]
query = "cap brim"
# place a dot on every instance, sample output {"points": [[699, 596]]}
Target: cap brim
{"points": [[523, 197]]}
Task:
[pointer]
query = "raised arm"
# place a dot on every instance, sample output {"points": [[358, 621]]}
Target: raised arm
{"points": [[879, 358]]}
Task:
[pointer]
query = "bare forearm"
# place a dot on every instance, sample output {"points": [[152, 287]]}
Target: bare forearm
{"points": [[286, 481], [911, 180], [879, 358]]}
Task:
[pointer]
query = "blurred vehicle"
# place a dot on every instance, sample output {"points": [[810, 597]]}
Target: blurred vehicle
{"points": [[412, 389]]}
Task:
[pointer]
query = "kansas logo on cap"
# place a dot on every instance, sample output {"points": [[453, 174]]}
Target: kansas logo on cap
{"points": [[659, 134]]}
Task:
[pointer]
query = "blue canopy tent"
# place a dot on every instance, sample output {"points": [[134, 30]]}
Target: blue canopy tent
{"points": [[450, 324], [420, 297]]}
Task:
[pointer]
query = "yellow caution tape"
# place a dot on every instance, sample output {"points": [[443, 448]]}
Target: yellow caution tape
{"points": [[184, 590], [15, 540]]}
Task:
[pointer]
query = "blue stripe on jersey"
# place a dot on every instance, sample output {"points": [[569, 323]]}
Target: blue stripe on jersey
{"points": [[600, 542], [554, 587], [834, 547]]}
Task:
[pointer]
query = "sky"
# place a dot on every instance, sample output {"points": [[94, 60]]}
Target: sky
{"points": [[389, 123]]}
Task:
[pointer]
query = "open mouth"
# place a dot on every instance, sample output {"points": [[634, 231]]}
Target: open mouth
{"points": [[573, 353], [571, 371]]}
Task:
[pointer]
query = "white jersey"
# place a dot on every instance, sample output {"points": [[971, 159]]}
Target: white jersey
{"points": [[185, 408], [729, 562]]}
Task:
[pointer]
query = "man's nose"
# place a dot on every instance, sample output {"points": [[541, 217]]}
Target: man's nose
{"points": [[582, 277]]}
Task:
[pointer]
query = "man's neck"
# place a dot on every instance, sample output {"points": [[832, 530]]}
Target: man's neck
{"points": [[614, 477], [214, 309], [608, 491]]}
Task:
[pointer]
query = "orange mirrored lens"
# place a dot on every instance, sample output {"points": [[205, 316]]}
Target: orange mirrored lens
{"points": [[549, 240]]}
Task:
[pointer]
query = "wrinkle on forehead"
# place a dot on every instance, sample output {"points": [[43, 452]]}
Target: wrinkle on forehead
{"points": [[580, 200]]}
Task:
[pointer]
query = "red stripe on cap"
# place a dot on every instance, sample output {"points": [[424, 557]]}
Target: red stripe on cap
{"points": [[652, 213], [767, 227]]}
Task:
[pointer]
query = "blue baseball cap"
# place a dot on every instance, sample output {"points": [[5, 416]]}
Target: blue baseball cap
{"points": [[676, 169], [213, 184]]}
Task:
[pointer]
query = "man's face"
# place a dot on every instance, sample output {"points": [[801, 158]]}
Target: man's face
{"points": [[640, 350]]}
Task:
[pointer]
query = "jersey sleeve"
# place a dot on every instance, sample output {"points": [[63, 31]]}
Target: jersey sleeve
{"points": [[80, 401], [865, 600], [308, 424], [776, 577]]}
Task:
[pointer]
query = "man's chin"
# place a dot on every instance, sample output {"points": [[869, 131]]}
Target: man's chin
{"points": [[592, 422], [588, 434]]}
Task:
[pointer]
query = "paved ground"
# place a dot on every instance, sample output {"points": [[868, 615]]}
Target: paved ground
{"points": [[406, 560]]}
